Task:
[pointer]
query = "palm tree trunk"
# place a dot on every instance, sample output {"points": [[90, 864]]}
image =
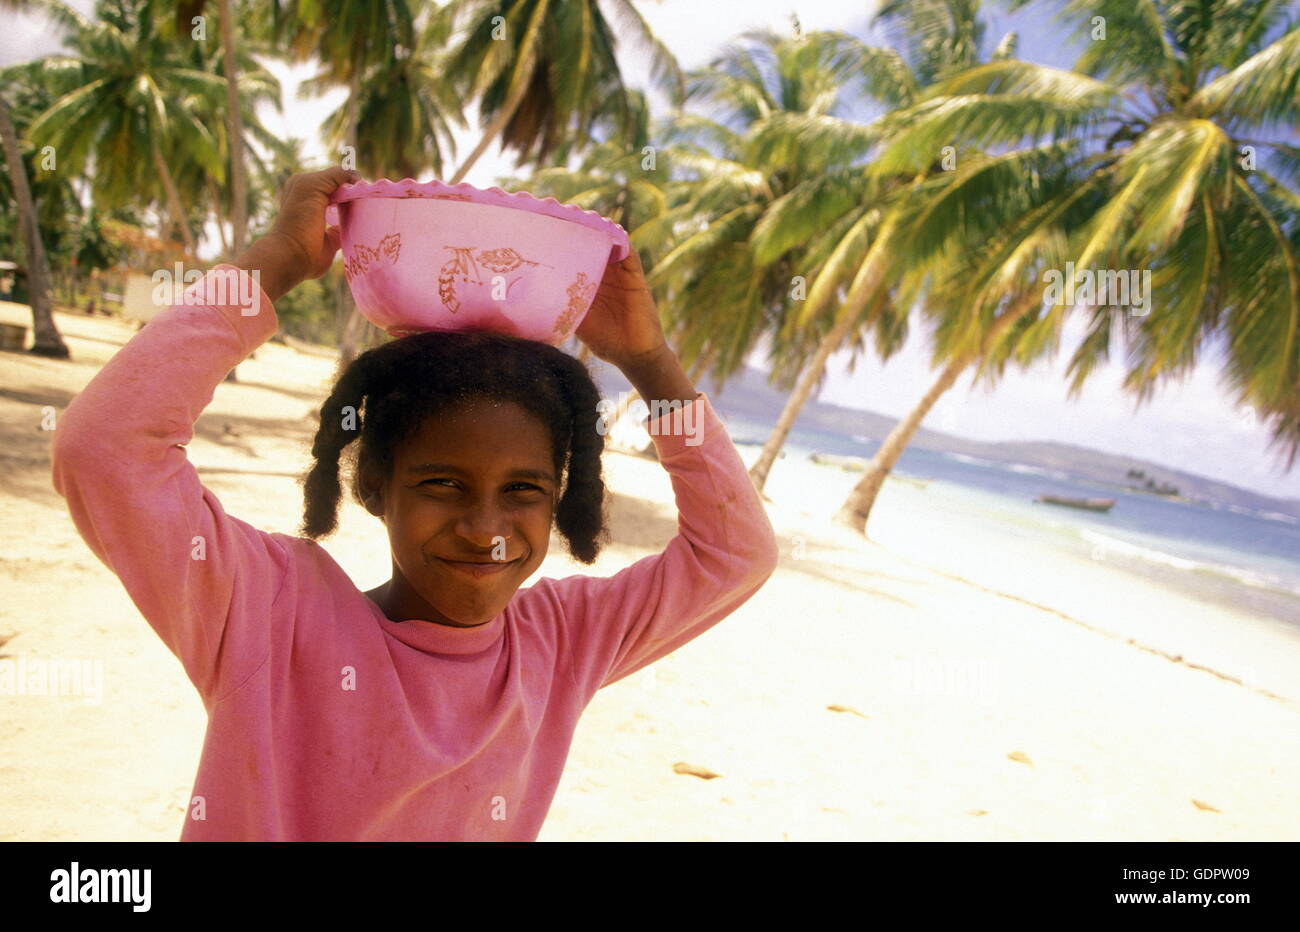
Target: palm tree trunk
{"points": [[215, 195], [798, 398], [857, 507], [493, 131], [46, 340], [353, 328], [174, 203], [357, 328], [235, 130], [233, 374]]}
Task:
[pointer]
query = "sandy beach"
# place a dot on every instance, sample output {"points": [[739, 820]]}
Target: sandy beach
{"points": [[917, 686]]}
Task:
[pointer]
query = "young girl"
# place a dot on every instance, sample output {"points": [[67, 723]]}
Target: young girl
{"points": [[441, 704]]}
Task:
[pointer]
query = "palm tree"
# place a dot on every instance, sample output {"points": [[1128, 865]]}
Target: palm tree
{"points": [[783, 193], [610, 177], [407, 107], [981, 235], [352, 39], [347, 38], [131, 88], [726, 281], [249, 84], [128, 91], [184, 12], [46, 340], [1161, 190], [542, 70], [867, 277], [234, 130], [613, 179], [863, 275]]}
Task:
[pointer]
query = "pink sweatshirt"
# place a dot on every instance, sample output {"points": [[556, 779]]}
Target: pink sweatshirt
{"points": [[327, 721]]}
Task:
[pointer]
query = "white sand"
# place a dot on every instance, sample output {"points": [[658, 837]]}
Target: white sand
{"points": [[970, 714]]}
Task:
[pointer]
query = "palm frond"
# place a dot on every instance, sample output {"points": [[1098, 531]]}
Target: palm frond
{"points": [[1263, 89]]}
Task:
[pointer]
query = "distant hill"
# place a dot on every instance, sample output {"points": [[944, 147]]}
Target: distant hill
{"points": [[748, 396]]}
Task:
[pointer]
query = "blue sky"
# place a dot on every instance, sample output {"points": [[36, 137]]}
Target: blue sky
{"points": [[1190, 424]]}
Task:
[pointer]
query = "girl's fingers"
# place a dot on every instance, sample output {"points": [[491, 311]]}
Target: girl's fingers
{"points": [[335, 177]]}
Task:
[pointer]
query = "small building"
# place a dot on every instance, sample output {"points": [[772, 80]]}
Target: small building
{"points": [[13, 282]]}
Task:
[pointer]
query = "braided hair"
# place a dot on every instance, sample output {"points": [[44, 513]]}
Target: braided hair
{"points": [[389, 391]]}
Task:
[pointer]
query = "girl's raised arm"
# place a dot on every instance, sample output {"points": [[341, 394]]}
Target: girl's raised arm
{"points": [[205, 581], [724, 551], [725, 548]]}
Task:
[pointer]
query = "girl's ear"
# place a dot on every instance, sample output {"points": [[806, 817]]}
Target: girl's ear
{"points": [[371, 493]]}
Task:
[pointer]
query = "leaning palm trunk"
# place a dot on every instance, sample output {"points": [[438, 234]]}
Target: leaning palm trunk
{"points": [[493, 131], [857, 507], [46, 340], [214, 196], [174, 203], [358, 332], [235, 130], [802, 392]]}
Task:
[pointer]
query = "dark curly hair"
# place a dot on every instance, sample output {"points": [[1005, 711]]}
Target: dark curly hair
{"points": [[393, 388]]}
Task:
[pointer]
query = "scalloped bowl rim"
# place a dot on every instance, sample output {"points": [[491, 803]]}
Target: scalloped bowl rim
{"points": [[495, 197]]}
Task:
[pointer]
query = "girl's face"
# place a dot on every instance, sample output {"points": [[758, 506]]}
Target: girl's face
{"points": [[468, 510]]}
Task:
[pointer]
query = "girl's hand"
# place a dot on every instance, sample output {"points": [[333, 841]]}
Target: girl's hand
{"points": [[623, 328], [301, 221], [299, 245], [623, 323]]}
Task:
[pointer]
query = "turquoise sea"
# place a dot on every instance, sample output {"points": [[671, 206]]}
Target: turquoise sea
{"points": [[1240, 558]]}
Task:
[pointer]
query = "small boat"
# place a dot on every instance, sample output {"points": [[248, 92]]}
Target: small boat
{"points": [[1090, 504], [843, 462]]}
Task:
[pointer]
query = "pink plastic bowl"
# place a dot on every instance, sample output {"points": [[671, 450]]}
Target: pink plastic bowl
{"points": [[435, 256]]}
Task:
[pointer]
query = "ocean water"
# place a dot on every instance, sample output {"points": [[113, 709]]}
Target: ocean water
{"points": [[1239, 558]]}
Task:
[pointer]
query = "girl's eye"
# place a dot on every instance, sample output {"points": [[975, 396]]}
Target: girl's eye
{"points": [[524, 486], [526, 492]]}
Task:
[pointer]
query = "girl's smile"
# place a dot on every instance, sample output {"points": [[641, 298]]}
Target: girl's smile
{"points": [[477, 569]]}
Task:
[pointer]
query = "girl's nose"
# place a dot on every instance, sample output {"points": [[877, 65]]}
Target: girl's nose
{"points": [[483, 525]]}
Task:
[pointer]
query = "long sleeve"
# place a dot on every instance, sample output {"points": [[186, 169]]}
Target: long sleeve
{"points": [[724, 551], [119, 461]]}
